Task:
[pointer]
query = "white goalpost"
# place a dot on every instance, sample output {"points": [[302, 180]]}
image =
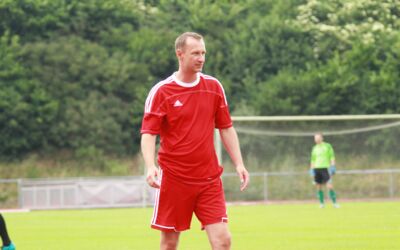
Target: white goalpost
{"points": [[276, 151], [366, 131]]}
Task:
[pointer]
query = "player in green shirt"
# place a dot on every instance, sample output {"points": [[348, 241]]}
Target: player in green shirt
{"points": [[322, 167]]}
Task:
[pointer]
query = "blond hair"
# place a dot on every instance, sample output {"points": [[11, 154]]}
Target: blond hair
{"points": [[180, 41]]}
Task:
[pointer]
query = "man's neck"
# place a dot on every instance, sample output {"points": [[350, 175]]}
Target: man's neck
{"points": [[186, 76]]}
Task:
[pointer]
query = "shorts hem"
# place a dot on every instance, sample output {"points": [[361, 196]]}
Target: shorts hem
{"points": [[223, 220], [167, 229]]}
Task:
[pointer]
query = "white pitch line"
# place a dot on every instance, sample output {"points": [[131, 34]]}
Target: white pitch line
{"points": [[22, 210]]}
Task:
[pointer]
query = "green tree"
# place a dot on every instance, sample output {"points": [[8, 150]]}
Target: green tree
{"points": [[363, 80], [42, 19], [77, 80], [335, 25], [27, 111]]}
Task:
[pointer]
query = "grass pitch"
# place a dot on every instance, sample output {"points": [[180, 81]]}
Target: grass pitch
{"points": [[355, 226]]}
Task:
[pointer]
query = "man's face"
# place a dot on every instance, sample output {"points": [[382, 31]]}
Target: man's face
{"points": [[318, 138], [193, 55]]}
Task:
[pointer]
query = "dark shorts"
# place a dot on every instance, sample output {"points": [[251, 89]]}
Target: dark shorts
{"points": [[321, 175]]}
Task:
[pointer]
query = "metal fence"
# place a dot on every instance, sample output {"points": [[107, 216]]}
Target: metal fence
{"points": [[134, 192], [85, 193], [349, 184]]}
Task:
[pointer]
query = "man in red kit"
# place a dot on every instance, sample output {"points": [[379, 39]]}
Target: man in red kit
{"points": [[184, 110]]}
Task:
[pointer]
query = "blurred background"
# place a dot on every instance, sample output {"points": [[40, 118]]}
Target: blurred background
{"points": [[74, 76]]}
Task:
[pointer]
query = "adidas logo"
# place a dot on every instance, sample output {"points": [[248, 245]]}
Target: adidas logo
{"points": [[178, 104]]}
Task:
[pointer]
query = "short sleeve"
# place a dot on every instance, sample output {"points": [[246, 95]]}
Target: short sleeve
{"points": [[222, 117], [312, 160], [332, 153], [154, 113]]}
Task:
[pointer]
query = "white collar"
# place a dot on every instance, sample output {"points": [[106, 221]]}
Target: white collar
{"points": [[186, 84]]}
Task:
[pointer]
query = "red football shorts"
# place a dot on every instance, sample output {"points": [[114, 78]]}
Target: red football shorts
{"points": [[176, 201]]}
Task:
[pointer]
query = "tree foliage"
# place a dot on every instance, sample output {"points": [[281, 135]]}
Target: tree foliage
{"points": [[74, 74]]}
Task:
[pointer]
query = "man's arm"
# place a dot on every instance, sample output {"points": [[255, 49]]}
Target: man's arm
{"points": [[312, 159], [148, 144], [311, 171], [231, 144], [332, 156], [332, 167]]}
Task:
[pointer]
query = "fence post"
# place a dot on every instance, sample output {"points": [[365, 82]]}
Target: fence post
{"points": [[391, 185], [48, 196], [20, 195], [144, 192], [62, 198], [265, 176], [112, 194], [78, 199]]}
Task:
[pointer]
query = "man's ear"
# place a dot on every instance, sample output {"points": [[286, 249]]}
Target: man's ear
{"points": [[178, 53]]}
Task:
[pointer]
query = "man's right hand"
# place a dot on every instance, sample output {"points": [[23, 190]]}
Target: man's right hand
{"points": [[311, 172], [332, 169], [152, 177]]}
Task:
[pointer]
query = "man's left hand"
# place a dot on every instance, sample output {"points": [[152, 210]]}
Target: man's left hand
{"points": [[332, 170], [244, 177]]}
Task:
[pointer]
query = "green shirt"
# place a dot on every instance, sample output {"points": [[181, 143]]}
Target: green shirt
{"points": [[321, 155]]}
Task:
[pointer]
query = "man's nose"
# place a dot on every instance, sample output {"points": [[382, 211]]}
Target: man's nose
{"points": [[202, 58]]}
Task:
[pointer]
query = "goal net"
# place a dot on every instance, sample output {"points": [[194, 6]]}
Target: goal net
{"points": [[276, 151], [283, 143]]}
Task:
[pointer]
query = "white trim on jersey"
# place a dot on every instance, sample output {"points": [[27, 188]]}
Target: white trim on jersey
{"points": [[220, 84], [171, 79], [187, 84], [153, 91]]}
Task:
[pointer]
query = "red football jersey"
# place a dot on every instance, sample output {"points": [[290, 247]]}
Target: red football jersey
{"points": [[185, 115]]}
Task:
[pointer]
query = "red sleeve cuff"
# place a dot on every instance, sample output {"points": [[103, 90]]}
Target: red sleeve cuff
{"points": [[147, 131], [224, 126]]}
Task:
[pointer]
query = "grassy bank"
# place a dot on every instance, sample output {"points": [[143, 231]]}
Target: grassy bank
{"points": [[63, 165]]}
